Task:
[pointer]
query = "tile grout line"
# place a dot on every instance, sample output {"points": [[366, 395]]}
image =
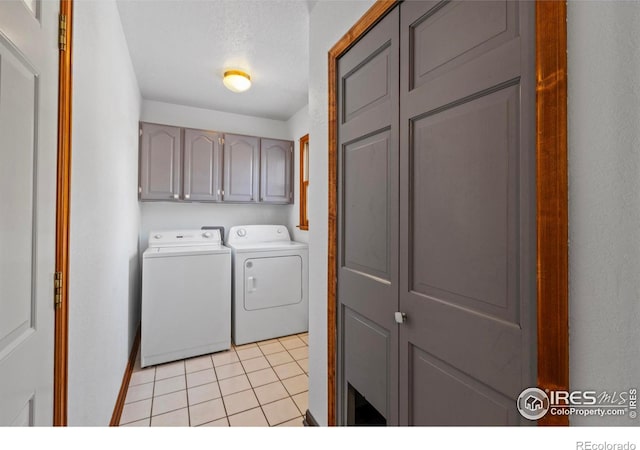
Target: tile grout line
{"points": [[303, 371], [280, 380], [263, 355], [226, 416], [271, 367], [252, 388], [153, 393], [186, 390]]}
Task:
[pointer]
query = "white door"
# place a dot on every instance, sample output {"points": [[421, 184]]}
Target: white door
{"points": [[28, 144]]}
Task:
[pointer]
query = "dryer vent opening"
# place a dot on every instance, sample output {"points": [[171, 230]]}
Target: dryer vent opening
{"points": [[360, 412]]}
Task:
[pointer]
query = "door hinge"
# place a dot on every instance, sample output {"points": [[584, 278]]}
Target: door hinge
{"points": [[140, 132], [57, 290], [62, 33]]}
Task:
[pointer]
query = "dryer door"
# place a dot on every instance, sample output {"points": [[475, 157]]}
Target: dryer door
{"points": [[272, 281]]}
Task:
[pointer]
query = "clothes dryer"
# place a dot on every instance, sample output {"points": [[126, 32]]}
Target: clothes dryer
{"points": [[270, 283]]}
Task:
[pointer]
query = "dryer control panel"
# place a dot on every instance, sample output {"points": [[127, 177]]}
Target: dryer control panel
{"points": [[253, 234]]}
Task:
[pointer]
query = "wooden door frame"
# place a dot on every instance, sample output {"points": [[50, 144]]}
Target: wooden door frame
{"points": [[551, 196], [63, 195]]}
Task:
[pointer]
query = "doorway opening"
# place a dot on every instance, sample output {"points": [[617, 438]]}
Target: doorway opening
{"points": [[360, 412]]}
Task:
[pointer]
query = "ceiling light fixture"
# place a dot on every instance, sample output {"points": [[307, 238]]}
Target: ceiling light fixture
{"points": [[237, 80]]}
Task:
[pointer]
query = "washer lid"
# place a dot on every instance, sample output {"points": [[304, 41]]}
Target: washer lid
{"points": [[163, 252]]}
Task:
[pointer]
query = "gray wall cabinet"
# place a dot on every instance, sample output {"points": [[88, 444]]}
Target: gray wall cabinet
{"points": [[179, 164], [436, 214], [241, 162], [160, 162], [202, 165], [275, 171]]}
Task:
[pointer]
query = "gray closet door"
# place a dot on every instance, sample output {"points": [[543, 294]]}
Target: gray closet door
{"points": [[467, 209], [241, 159], [275, 171], [160, 162], [368, 220], [202, 166]]}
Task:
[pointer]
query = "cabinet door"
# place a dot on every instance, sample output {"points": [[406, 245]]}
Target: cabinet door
{"points": [[275, 171], [240, 168], [160, 168], [202, 165]]}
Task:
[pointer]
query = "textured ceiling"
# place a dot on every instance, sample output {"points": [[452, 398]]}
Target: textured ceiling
{"points": [[181, 48]]}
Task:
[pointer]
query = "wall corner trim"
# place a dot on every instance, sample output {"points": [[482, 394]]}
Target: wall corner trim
{"points": [[63, 201], [552, 200], [126, 378], [309, 420]]}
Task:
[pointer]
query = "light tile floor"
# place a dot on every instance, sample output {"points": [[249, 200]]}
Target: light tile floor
{"points": [[260, 384]]}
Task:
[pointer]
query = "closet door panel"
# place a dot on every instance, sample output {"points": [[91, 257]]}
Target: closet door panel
{"points": [[435, 383], [368, 370], [365, 215], [368, 220], [464, 233], [467, 208]]}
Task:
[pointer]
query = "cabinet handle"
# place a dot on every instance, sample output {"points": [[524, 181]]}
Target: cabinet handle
{"points": [[175, 196]]}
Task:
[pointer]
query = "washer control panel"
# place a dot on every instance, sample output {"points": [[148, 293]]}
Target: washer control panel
{"points": [[173, 238]]}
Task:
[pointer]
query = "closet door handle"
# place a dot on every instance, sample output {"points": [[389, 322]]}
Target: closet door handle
{"points": [[400, 317]]}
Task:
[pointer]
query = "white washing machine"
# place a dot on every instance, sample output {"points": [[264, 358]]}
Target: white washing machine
{"points": [[270, 283], [186, 295]]}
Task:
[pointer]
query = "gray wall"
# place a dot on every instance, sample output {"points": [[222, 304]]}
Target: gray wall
{"points": [[604, 198], [328, 22], [104, 307]]}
